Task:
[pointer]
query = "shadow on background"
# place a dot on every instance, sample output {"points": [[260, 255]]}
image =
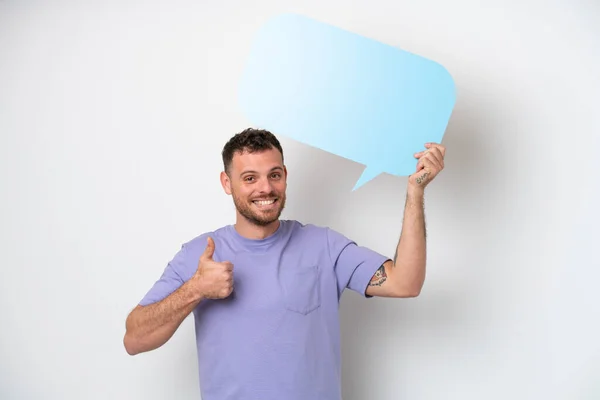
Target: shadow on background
{"points": [[374, 330]]}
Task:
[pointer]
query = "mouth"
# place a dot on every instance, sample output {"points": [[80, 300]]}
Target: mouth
{"points": [[265, 204]]}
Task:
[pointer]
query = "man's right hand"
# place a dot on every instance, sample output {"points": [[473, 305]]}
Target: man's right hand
{"points": [[215, 279]]}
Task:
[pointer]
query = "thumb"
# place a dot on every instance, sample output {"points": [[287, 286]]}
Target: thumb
{"points": [[210, 249]]}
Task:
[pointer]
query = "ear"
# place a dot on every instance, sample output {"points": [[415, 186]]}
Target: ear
{"points": [[225, 182], [285, 175]]}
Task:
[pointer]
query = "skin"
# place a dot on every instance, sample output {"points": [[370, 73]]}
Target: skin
{"points": [[251, 177], [256, 176], [149, 327], [263, 176], [405, 274]]}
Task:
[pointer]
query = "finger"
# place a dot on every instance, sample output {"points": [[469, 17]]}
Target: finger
{"points": [[209, 251], [420, 164], [422, 156], [428, 163], [436, 156], [436, 149], [438, 146], [423, 164], [431, 147], [431, 162]]}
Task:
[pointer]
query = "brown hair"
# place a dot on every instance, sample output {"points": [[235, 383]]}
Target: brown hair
{"points": [[250, 140]]}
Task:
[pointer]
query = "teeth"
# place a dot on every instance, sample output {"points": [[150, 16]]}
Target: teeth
{"points": [[264, 202]]}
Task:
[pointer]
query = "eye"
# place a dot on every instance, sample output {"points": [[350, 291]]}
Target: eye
{"points": [[276, 175], [249, 178]]}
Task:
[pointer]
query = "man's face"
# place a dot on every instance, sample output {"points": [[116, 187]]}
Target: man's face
{"points": [[257, 183]]}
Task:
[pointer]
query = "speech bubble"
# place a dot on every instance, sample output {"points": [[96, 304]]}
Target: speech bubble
{"points": [[349, 95]]}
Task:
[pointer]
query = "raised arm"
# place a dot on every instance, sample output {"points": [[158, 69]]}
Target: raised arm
{"points": [[405, 275]]}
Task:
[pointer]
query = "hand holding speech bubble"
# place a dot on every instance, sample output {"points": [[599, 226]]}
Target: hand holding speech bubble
{"points": [[346, 94]]}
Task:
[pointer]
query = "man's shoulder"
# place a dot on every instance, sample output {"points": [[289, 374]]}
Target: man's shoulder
{"points": [[317, 234], [304, 226], [197, 244], [202, 237], [306, 231], [311, 228]]}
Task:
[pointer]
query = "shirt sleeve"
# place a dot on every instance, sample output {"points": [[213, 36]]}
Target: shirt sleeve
{"points": [[170, 280], [354, 265]]}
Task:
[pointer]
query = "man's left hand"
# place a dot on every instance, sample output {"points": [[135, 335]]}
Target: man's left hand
{"points": [[430, 164]]}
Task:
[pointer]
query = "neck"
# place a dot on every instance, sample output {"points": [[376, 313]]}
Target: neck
{"points": [[252, 231]]}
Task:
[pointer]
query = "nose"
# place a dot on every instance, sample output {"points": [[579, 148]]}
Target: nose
{"points": [[264, 185]]}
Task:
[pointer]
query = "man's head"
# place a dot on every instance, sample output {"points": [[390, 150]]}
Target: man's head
{"points": [[255, 176]]}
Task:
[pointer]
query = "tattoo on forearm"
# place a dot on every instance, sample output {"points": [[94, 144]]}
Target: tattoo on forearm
{"points": [[379, 277], [422, 178]]}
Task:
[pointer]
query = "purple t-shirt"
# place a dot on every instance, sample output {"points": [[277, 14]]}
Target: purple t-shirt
{"points": [[277, 336]]}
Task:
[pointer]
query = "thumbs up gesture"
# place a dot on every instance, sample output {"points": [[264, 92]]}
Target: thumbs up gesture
{"points": [[215, 278]]}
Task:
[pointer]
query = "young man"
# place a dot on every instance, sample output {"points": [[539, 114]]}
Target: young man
{"points": [[265, 292]]}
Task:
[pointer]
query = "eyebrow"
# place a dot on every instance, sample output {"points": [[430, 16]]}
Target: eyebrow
{"points": [[254, 172]]}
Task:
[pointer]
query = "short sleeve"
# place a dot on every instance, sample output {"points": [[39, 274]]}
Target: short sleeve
{"points": [[354, 265], [170, 280]]}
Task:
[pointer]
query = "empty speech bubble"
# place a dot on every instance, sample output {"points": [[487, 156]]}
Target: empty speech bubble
{"points": [[346, 94]]}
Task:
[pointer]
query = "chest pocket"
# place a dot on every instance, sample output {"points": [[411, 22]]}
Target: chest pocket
{"points": [[300, 285]]}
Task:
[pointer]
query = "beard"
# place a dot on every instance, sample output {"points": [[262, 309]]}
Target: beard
{"points": [[256, 216]]}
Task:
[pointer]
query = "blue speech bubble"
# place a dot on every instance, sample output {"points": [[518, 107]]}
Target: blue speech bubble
{"points": [[346, 94]]}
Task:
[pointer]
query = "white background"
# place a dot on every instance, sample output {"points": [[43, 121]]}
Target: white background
{"points": [[112, 119]]}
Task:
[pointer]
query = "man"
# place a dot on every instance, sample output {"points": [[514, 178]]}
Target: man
{"points": [[265, 292]]}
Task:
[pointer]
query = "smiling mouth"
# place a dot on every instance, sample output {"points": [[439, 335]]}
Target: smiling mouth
{"points": [[264, 202]]}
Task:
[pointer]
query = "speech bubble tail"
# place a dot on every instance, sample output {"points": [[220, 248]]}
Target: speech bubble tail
{"points": [[368, 174]]}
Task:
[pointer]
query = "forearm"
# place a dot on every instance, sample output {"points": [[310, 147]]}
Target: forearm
{"points": [[410, 257], [151, 326]]}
